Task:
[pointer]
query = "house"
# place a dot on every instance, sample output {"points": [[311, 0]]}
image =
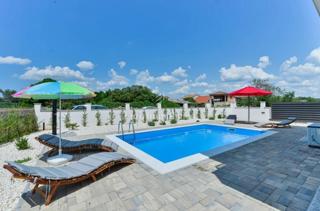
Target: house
{"points": [[202, 99], [220, 98]]}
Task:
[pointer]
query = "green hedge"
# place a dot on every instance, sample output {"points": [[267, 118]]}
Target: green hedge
{"points": [[16, 123]]}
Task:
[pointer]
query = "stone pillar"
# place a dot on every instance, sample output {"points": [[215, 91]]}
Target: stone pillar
{"points": [[233, 105], [160, 114], [88, 107], [185, 106], [127, 106], [127, 111], [37, 108], [262, 104]]}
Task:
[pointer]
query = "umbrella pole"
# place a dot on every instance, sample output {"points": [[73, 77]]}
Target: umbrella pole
{"points": [[60, 123], [248, 109]]}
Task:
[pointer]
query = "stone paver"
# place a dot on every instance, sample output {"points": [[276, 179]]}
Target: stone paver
{"points": [[278, 172]]}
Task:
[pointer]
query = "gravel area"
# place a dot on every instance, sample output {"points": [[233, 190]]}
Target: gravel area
{"points": [[11, 190]]}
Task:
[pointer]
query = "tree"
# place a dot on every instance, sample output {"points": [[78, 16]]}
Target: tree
{"points": [[7, 94], [266, 85], [45, 80], [288, 97]]}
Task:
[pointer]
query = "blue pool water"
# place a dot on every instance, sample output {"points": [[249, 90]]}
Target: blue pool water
{"points": [[171, 144]]}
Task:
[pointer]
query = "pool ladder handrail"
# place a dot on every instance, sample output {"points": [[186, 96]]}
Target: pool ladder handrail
{"points": [[133, 130], [120, 126]]}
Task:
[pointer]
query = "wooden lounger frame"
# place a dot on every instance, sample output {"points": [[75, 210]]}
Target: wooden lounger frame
{"points": [[275, 125], [54, 184], [84, 147]]}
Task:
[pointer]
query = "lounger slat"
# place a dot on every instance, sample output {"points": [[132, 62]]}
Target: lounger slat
{"points": [[111, 156], [92, 162], [81, 167], [110, 144]]}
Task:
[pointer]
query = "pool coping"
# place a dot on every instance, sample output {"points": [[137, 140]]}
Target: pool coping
{"points": [[164, 168]]}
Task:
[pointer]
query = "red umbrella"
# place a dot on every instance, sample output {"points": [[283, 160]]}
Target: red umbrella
{"points": [[250, 91]]}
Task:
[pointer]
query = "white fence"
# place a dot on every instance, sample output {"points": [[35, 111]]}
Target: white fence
{"points": [[257, 114]]}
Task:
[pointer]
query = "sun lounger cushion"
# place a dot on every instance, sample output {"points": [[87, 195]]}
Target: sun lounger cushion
{"points": [[287, 121], [74, 169], [54, 140]]}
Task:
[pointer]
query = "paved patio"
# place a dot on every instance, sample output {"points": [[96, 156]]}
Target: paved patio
{"points": [[278, 172]]}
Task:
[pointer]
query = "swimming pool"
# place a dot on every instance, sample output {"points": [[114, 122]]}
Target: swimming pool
{"points": [[167, 149]]}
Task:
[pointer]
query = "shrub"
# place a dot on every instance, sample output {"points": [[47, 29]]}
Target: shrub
{"points": [[206, 113], [22, 143], [191, 113], [144, 116], [213, 114], [173, 121], [23, 160], [211, 118], [219, 116], [162, 123], [134, 116], [111, 117], [183, 114], [67, 119], [98, 118], [73, 126], [174, 114], [16, 123], [84, 119], [165, 112], [122, 117], [199, 114], [151, 123], [155, 114]]}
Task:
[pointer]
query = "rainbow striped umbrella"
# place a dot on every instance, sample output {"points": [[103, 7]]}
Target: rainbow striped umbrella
{"points": [[56, 91]]}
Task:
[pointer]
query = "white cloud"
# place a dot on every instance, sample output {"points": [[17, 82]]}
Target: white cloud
{"points": [[180, 72], [306, 69], [287, 63], [144, 77], [243, 73], [181, 83], [201, 77], [133, 72], [166, 78], [200, 84], [181, 90], [85, 65], [122, 64], [264, 61], [156, 90], [302, 78], [115, 81], [56, 72], [314, 55], [14, 60]]}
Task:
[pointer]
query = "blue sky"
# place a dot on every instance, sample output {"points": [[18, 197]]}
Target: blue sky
{"points": [[173, 47]]}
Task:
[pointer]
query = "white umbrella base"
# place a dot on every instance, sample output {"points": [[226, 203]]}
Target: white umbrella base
{"points": [[59, 159]]}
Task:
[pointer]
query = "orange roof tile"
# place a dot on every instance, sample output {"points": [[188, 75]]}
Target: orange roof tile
{"points": [[202, 99]]}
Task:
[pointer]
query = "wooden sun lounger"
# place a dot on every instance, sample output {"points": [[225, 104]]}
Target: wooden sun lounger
{"points": [[282, 124], [72, 173], [52, 141]]}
